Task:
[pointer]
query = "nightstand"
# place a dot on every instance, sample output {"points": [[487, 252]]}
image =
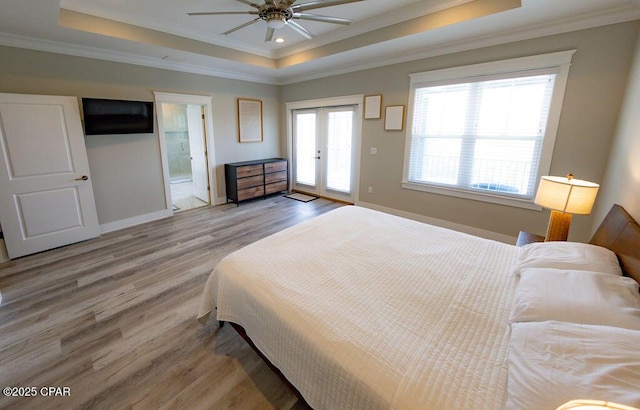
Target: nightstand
{"points": [[525, 238]]}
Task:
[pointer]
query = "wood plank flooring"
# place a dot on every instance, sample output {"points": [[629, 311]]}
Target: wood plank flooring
{"points": [[113, 318]]}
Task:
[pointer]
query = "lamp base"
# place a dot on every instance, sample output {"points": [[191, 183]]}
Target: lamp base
{"points": [[558, 228]]}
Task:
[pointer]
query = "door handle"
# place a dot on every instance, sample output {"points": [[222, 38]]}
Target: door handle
{"points": [[317, 157], [82, 178]]}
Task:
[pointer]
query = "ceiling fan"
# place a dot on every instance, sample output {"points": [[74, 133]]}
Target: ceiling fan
{"points": [[278, 13]]}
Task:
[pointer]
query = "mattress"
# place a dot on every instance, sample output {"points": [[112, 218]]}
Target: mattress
{"points": [[364, 310]]}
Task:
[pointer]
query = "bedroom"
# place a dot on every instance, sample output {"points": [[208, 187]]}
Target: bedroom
{"points": [[600, 108]]}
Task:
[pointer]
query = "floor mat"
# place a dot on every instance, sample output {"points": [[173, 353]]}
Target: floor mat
{"points": [[301, 197]]}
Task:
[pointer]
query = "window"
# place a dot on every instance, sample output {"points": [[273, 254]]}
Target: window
{"points": [[485, 131]]}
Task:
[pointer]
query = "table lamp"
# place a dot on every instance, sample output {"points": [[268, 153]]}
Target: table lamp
{"points": [[593, 405], [565, 197]]}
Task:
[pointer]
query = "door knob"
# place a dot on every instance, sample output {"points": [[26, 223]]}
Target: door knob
{"points": [[82, 178]]}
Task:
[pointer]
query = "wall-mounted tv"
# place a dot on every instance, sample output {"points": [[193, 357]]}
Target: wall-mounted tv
{"points": [[103, 116]]}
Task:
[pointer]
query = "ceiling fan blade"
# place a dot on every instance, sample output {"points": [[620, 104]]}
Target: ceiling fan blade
{"points": [[241, 26], [320, 3], [323, 19], [217, 13], [249, 3], [269, 35], [297, 27]]}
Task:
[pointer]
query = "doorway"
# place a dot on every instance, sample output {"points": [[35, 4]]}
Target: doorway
{"points": [[185, 141], [184, 124], [323, 151], [324, 147]]}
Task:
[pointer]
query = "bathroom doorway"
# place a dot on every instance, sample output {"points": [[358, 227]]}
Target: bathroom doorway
{"points": [[189, 126], [185, 141]]}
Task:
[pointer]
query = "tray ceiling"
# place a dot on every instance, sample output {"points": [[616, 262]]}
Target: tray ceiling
{"points": [[159, 33]]}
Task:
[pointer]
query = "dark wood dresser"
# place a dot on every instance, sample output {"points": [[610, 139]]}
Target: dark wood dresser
{"points": [[256, 179]]}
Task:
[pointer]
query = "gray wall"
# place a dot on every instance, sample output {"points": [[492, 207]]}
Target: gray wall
{"points": [[621, 184], [126, 169], [127, 174], [593, 97]]}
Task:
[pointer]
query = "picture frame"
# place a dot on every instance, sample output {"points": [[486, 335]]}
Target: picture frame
{"points": [[372, 106], [249, 120], [394, 118]]}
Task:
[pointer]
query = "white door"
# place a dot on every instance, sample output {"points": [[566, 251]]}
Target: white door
{"points": [[46, 195], [323, 154], [197, 144]]}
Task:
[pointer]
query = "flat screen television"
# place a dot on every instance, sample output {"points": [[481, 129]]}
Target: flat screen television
{"points": [[103, 116]]}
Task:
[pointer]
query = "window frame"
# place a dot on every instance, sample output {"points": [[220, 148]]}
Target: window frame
{"points": [[560, 61]]}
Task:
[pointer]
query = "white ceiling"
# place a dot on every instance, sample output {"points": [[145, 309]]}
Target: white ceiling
{"points": [[159, 33]]}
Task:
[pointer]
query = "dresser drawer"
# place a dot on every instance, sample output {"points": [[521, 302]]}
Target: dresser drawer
{"points": [[249, 193], [277, 187], [249, 170], [255, 179], [250, 182], [275, 166], [275, 177]]}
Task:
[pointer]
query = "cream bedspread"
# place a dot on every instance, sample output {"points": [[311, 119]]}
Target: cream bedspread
{"points": [[365, 310]]}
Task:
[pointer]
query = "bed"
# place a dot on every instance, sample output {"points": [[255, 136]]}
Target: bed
{"points": [[362, 309]]}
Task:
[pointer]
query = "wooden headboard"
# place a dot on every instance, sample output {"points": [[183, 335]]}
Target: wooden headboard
{"points": [[621, 233]]}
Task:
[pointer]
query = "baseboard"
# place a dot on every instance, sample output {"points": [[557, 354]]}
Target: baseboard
{"points": [[136, 220], [442, 223], [153, 216]]}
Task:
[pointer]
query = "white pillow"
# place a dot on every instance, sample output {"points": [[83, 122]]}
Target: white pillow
{"points": [[568, 255], [551, 363], [577, 296]]}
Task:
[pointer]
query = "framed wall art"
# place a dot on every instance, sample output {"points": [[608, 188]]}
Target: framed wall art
{"points": [[394, 118], [372, 106], [249, 120]]}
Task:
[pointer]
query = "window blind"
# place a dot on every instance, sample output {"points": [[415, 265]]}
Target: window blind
{"points": [[481, 134]]}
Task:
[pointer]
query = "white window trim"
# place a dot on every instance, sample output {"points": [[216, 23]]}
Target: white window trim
{"points": [[560, 60]]}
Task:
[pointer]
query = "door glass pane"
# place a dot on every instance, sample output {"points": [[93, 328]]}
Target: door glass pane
{"points": [[339, 137], [305, 142]]}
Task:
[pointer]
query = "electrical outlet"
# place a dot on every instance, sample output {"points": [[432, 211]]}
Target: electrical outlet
{"points": [[371, 190], [374, 151]]}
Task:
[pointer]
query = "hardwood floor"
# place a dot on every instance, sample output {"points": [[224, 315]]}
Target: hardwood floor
{"points": [[113, 318]]}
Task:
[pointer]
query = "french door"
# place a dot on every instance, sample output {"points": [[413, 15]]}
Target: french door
{"points": [[323, 151]]}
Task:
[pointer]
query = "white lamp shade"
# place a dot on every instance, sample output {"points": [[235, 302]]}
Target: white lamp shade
{"points": [[562, 194], [276, 23], [593, 405], [276, 20]]}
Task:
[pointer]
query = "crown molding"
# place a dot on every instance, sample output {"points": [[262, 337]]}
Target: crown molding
{"points": [[11, 40], [614, 16]]}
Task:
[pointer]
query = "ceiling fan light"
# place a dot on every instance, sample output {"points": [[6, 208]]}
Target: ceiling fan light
{"points": [[276, 20], [276, 24]]}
